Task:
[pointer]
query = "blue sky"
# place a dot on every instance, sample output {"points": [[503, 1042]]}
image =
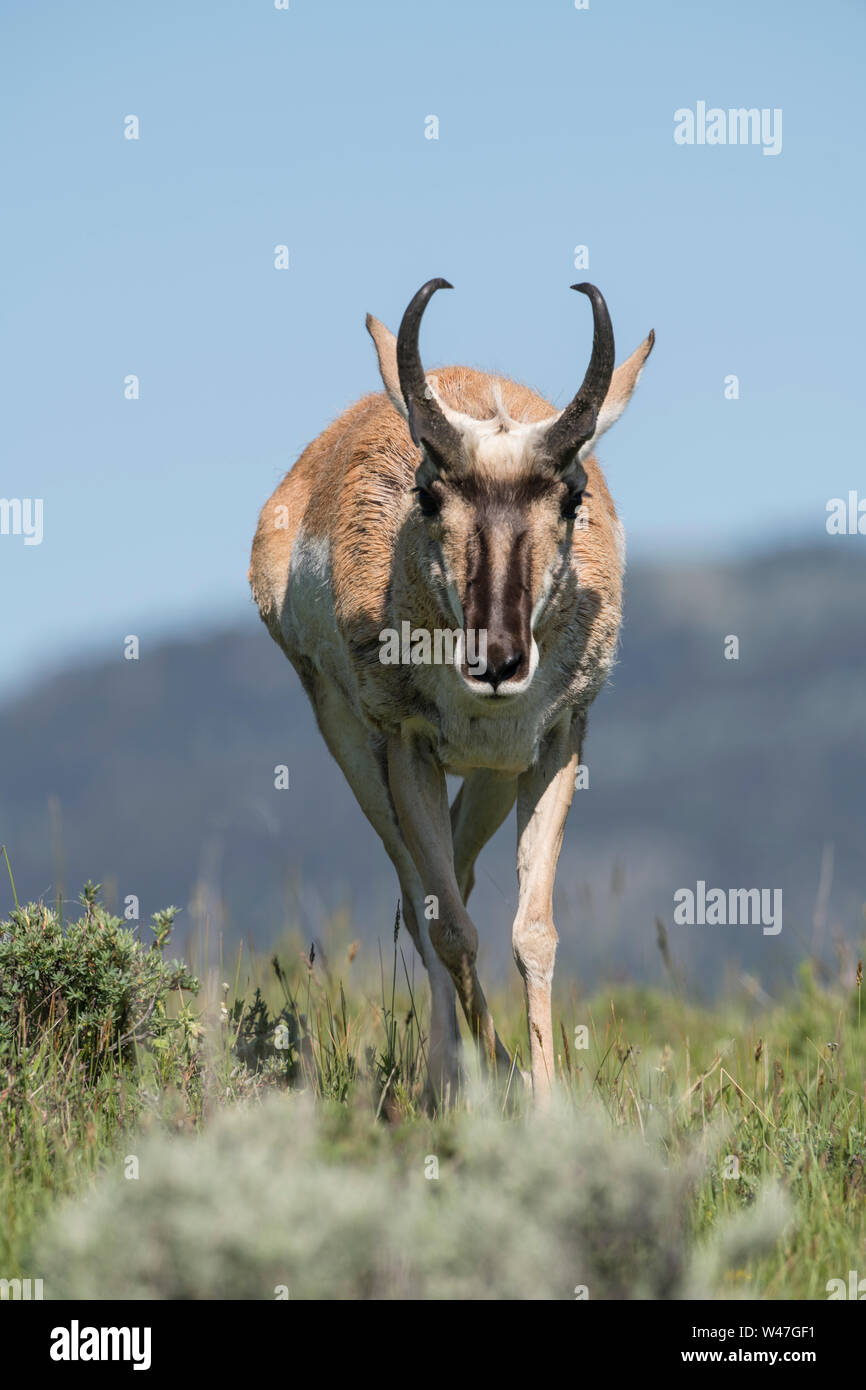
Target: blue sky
{"points": [[306, 127]]}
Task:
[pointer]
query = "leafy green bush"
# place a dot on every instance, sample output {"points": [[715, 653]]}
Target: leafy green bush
{"points": [[265, 1041], [90, 983]]}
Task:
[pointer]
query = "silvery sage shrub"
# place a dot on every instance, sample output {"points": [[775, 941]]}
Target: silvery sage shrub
{"points": [[288, 1199]]}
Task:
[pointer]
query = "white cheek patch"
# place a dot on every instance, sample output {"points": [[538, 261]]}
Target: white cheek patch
{"points": [[451, 590], [451, 595], [542, 600], [548, 584], [454, 602]]}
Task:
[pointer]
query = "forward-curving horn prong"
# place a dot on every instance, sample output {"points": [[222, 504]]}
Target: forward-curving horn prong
{"points": [[426, 421], [577, 422]]}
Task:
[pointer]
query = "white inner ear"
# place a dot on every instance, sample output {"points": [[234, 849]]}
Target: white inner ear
{"points": [[607, 416], [620, 391]]}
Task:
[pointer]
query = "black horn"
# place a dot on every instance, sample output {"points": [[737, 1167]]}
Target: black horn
{"points": [[426, 421], [578, 421]]}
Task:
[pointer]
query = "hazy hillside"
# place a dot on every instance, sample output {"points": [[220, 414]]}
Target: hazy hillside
{"points": [[157, 777]]}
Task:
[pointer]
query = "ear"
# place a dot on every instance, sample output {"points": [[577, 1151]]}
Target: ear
{"points": [[386, 351], [619, 393]]}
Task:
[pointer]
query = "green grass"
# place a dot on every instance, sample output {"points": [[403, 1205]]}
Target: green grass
{"points": [[731, 1096]]}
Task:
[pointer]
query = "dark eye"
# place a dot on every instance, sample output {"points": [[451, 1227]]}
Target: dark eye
{"points": [[427, 502], [573, 501]]}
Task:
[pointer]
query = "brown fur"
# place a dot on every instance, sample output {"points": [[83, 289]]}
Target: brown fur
{"points": [[344, 549], [353, 487]]}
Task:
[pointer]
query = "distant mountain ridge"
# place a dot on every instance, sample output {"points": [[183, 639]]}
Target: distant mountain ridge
{"points": [[157, 777]]}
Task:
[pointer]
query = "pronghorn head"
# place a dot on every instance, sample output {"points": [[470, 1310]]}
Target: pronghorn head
{"points": [[497, 499]]}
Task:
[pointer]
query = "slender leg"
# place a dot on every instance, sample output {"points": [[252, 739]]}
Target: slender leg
{"points": [[421, 799], [544, 794], [478, 810], [364, 768]]}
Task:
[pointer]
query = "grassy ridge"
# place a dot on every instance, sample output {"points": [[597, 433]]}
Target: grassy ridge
{"points": [[106, 1047]]}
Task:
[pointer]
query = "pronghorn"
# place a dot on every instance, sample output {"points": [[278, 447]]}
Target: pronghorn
{"points": [[456, 500]]}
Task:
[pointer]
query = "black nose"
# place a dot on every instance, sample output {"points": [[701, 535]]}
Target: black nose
{"points": [[500, 668]]}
